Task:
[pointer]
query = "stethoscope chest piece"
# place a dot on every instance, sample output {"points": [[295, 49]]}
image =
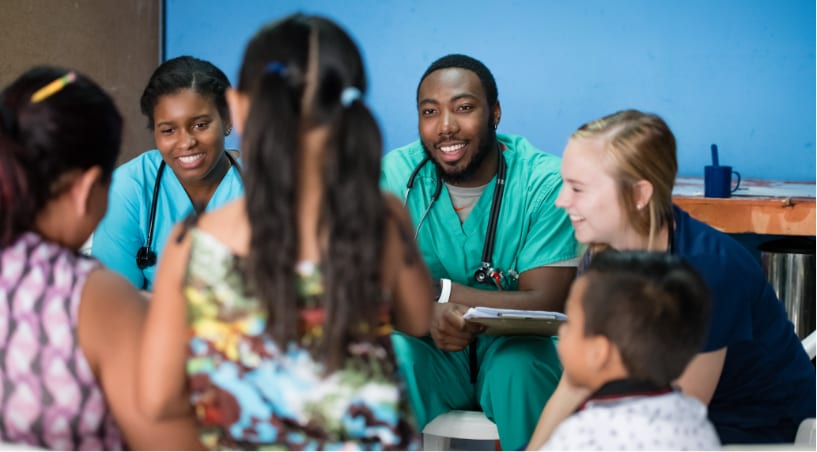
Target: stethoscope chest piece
{"points": [[145, 258]]}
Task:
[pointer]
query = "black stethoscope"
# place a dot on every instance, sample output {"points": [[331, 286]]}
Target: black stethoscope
{"points": [[145, 257], [486, 273]]}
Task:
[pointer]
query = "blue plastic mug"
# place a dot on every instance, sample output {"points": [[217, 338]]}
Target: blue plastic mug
{"points": [[718, 181]]}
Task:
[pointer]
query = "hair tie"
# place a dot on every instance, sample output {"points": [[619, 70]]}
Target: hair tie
{"points": [[54, 87], [276, 67], [349, 95]]}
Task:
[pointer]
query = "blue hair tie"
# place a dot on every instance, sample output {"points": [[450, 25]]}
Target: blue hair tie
{"points": [[276, 67], [349, 95]]}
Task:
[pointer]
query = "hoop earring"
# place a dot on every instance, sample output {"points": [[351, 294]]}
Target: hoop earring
{"points": [[228, 131]]}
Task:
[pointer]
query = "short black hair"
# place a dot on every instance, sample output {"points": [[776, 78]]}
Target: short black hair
{"points": [[456, 60], [653, 306], [186, 72]]}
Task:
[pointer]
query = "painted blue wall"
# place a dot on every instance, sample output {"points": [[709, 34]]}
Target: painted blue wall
{"points": [[737, 73]]}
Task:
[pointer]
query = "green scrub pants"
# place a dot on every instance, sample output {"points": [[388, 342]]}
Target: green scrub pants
{"points": [[517, 375]]}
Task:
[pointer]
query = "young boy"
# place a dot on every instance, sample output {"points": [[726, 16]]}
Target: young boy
{"points": [[634, 321]]}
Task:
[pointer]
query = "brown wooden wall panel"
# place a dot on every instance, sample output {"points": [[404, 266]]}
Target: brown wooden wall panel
{"points": [[115, 42]]}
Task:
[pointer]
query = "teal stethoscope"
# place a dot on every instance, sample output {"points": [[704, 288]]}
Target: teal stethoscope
{"points": [[486, 273]]}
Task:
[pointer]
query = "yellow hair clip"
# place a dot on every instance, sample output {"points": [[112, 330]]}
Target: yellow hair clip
{"points": [[53, 87]]}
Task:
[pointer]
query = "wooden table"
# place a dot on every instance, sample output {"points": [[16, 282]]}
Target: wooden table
{"points": [[758, 206]]}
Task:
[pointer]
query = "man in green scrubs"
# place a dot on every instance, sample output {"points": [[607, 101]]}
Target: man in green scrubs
{"points": [[458, 158]]}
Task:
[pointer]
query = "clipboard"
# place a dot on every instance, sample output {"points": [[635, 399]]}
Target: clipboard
{"points": [[507, 322]]}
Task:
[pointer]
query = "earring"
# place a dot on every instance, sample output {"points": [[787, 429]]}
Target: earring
{"points": [[228, 131]]}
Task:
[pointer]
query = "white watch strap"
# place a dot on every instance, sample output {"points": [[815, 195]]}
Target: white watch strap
{"points": [[445, 290]]}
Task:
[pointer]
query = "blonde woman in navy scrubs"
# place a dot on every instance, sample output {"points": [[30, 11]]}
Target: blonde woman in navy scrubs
{"points": [[752, 372]]}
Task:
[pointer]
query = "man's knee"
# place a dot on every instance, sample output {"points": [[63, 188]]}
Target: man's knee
{"points": [[410, 351], [519, 360]]}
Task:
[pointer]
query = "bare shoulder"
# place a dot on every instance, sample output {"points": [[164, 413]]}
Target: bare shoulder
{"points": [[229, 225], [226, 214], [392, 200], [107, 291], [398, 223], [400, 244], [110, 309], [395, 207]]}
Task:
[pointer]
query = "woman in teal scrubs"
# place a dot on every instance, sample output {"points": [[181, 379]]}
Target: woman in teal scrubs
{"points": [[189, 171]]}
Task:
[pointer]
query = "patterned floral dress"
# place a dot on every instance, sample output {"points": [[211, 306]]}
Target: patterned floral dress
{"points": [[251, 392]]}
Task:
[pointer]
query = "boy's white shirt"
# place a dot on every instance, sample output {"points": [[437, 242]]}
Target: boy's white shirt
{"points": [[670, 421]]}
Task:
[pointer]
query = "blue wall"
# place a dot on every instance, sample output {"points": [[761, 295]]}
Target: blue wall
{"points": [[737, 73]]}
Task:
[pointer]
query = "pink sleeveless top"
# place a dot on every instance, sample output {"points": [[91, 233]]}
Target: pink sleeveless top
{"points": [[49, 396]]}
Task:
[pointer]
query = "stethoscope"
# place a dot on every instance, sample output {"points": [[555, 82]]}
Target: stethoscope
{"points": [[486, 273], [145, 257]]}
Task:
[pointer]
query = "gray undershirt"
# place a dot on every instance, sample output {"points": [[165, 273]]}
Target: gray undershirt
{"points": [[464, 198]]}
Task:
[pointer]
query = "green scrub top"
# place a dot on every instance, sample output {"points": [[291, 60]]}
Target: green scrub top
{"points": [[531, 231]]}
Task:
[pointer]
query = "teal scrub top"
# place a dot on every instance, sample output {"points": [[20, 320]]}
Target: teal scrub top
{"points": [[124, 228], [531, 231]]}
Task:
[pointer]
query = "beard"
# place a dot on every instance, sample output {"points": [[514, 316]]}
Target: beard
{"points": [[487, 143]]}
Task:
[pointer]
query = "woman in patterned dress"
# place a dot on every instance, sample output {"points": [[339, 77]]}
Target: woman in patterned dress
{"points": [[271, 316], [69, 329]]}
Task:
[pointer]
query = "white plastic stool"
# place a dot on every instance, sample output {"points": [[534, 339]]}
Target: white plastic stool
{"points": [[458, 424]]}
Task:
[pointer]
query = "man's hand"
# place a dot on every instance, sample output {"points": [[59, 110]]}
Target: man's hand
{"points": [[449, 330]]}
